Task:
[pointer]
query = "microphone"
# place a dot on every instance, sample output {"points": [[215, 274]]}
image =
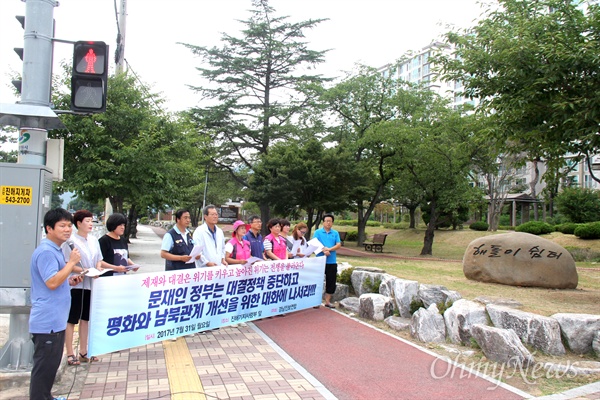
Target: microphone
{"points": [[71, 245]]}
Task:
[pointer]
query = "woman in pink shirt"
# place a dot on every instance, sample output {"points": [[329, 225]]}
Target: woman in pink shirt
{"points": [[237, 250], [275, 245]]}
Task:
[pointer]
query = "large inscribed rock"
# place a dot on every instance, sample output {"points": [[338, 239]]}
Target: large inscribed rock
{"points": [[520, 259]]}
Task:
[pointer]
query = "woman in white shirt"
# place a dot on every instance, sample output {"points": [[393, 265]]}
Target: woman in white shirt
{"points": [[298, 237], [91, 257]]}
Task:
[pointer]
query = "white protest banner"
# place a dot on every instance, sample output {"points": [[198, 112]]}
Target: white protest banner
{"points": [[139, 309]]}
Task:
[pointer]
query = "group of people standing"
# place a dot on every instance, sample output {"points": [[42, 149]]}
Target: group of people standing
{"points": [[61, 292], [245, 245]]}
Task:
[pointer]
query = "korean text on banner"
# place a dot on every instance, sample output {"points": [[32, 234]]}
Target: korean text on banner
{"points": [[139, 309]]}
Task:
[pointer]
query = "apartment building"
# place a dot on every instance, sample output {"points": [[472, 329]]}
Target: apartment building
{"points": [[416, 67]]}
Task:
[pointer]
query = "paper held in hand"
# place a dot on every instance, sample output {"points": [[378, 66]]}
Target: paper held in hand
{"points": [[92, 272], [133, 266], [314, 246], [252, 260], [196, 251]]}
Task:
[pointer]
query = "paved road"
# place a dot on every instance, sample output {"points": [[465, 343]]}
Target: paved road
{"points": [[355, 361]]}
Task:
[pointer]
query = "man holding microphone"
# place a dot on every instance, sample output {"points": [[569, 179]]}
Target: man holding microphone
{"points": [[50, 301]]}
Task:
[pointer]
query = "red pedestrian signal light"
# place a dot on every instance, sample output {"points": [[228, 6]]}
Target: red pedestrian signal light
{"points": [[88, 82]]}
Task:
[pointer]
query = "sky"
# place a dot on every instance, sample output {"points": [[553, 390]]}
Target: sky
{"points": [[371, 32]]}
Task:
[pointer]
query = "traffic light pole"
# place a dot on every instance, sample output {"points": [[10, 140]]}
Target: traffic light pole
{"points": [[34, 117], [37, 76]]}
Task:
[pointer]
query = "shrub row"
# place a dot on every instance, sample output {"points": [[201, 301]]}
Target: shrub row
{"points": [[566, 228], [354, 222], [479, 226], [535, 228], [584, 231], [588, 231], [506, 227]]}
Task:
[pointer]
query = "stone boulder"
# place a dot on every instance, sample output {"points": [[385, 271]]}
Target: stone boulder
{"points": [[398, 323], [370, 269], [502, 345], [461, 317], [452, 296], [341, 292], [499, 301], [387, 285], [542, 333], [350, 304], [436, 294], [596, 343], [427, 325], [520, 259], [578, 330], [360, 278], [375, 306], [405, 292]]}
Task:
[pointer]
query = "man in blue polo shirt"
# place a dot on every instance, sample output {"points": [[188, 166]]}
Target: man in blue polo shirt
{"points": [[330, 239], [50, 300], [257, 248]]}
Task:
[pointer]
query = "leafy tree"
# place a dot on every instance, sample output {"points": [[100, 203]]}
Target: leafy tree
{"points": [[133, 154], [579, 205], [56, 200], [556, 176], [498, 171], [8, 156], [256, 87], [535, 63], [296, 176], [436, 153], [362, 103], [407, 194], [81, 204]]}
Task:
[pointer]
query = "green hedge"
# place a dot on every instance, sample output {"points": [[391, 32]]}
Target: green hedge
{"points": [[398, 225], [567, 228], [535, 228], [588, 231], [506, 227], [479, 226], [347, 222], [352, 236], [353, 222]]}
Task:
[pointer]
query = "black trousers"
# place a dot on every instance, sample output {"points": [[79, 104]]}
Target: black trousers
{"points": [[47, 355], [330, 278]]}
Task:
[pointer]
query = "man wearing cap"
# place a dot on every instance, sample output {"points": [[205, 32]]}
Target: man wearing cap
{"points": [[211, 238], [237, 250]]}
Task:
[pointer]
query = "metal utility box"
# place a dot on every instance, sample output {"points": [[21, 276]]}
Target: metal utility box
{"points": [[25, 197]]}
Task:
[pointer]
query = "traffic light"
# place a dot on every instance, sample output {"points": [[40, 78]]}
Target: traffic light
{"points": [[18, 83], [88, 82]]}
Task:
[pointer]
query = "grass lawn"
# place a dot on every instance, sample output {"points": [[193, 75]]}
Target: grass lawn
{"points": [[450, 247]]}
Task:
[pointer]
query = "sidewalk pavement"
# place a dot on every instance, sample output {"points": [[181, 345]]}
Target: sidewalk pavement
{"points": [[229, 363]]}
